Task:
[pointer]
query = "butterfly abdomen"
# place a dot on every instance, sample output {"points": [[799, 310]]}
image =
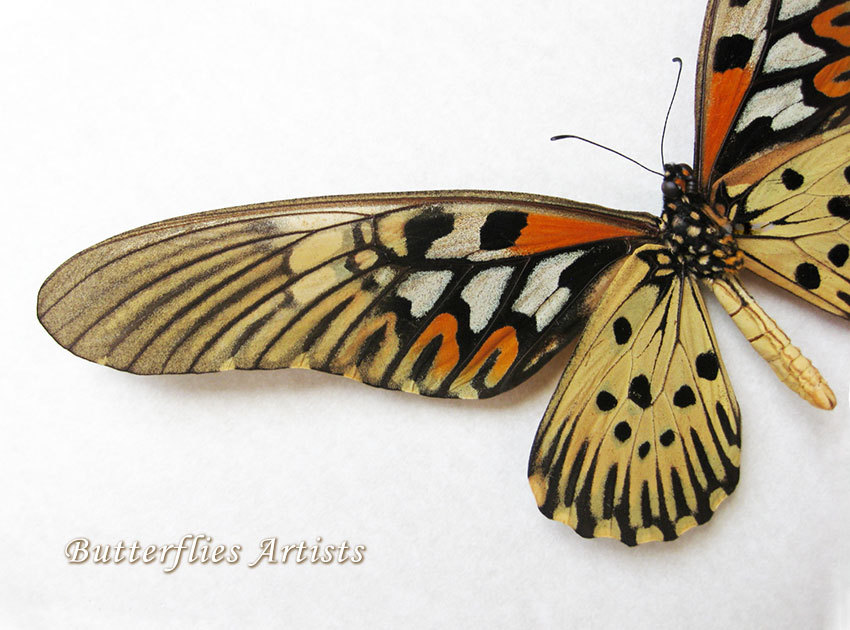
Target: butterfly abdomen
{"points": [[702, 246]]}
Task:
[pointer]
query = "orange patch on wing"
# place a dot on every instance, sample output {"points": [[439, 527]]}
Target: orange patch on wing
{"points": [[504, 342], [724, 97], [445, 326], [823, 24], [545, 232], [825, 79]]}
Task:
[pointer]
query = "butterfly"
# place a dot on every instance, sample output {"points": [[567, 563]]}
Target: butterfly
{"points": [[466, 294]]}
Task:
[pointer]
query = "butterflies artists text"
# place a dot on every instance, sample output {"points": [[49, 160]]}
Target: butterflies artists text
{"points": [[201, 549]]}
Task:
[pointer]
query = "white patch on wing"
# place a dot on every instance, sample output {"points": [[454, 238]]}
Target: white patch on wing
{"points": [[791, 116], [422, 289], [791, 52], [483, 294], [551, 307], [464, 239], [748, 20], [790, 8], [782, 103], [542, 282]]}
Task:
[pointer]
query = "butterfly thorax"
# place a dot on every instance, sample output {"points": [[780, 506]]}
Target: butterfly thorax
{"points": [[702, 245]]}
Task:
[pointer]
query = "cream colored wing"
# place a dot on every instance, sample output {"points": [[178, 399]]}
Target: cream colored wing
{"points": [[641, 440], [791, 214]]}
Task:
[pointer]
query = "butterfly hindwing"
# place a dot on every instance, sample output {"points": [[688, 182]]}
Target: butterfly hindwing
{"points": [[447, 294], [641, 440], [791, 213], [770, 73]]}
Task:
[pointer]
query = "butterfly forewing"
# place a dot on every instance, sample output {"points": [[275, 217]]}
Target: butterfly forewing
{"points": [[447, 294], [641, 440], [770, 73]]}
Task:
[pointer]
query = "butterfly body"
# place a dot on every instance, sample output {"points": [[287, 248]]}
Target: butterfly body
{"points": [[701, 244], [465, 294]]}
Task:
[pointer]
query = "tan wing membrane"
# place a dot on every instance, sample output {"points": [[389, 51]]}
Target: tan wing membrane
{"points": [[791, 212], [457, 293], [641, 440], [792, 368]]}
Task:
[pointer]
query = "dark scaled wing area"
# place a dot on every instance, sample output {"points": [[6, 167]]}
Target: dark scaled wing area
{"points": [[460, 294], [770, 73]]}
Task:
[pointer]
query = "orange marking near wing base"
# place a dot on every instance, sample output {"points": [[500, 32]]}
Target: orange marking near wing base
{"points": [[445, 326], [823, 25], [825, 79], [504, 342], [724, 96], [545, 232]]}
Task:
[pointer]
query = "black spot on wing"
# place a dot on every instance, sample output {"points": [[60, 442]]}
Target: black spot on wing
{"points": [[643, 450], [502, 228], [639, 391], [605, 401], [421, 231], [733, 51], [622, 431], [807, 276], [844, 296], [707, 365], [791, 179], [684, 397], [838, 255], [839, 207], [667, 437], [622, 330]]}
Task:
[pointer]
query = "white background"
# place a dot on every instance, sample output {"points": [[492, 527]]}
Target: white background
{"points": [[115, 116]]}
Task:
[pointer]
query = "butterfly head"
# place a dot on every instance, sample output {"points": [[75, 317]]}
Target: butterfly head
{"points": [[679, 180]]}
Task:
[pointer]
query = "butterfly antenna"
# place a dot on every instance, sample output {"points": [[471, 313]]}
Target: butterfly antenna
{"points": [[670, 107], [602, 146]]}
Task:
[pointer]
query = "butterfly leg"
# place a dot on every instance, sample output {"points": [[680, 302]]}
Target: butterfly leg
{"points": [[792, 368]]}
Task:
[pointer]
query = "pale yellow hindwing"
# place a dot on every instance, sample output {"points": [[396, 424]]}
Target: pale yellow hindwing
{"points": [[791, 213], [641, 440]]}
